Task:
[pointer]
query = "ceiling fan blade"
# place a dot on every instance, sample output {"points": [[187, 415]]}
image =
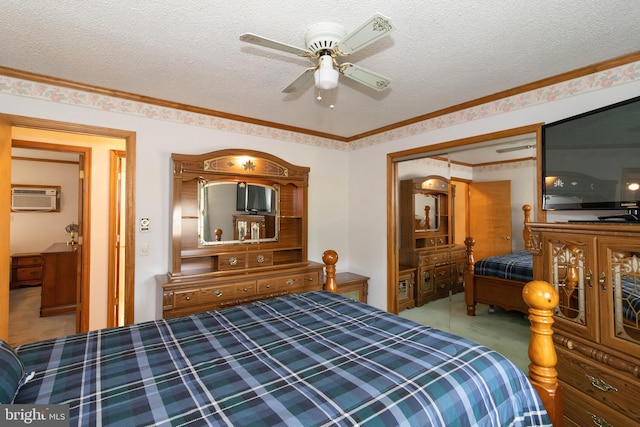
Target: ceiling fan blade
{"points": [[374, 28], [300, 81], [365, 76], [263, 41]]}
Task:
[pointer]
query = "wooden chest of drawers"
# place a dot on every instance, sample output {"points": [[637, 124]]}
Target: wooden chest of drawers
{"points": [[595, 394], [181, 298], [26, 270]]}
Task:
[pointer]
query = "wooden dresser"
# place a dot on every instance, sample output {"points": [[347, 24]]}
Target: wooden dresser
{"points": [[59, 282], [221, 256], [596, 269], [26, 270], [194, 294]]}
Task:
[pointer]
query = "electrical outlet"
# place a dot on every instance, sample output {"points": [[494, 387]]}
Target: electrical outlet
{"points": [[144, 224]]}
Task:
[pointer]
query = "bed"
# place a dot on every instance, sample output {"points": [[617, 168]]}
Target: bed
{"points": [[314, 358], [498, 280]]}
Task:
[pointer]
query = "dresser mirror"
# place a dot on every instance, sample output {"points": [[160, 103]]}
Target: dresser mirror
{"points": [[426, 215], [237, 212]]}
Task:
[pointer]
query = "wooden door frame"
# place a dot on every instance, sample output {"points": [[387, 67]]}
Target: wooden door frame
{"points": [[115, 200], [392, 193], [8, 122]]}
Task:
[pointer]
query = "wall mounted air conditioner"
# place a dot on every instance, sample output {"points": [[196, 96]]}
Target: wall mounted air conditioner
{"points": [[34, 199]]}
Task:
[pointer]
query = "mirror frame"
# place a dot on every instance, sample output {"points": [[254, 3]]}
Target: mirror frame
{"points": [[235, 165]]}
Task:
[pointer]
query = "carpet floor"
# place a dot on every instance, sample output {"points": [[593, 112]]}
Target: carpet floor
{"points": [[506, 332], [25, 323]]}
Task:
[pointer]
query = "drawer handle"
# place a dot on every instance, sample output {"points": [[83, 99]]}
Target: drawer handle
{"points": [[188, 298], [260, 258], [588, 278], [245, 290], [601, 385], [35, 273], [218, 293], [233, 260], [599, 421], [289, 282]]}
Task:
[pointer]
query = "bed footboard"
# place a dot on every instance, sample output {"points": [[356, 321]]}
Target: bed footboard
{"points": [[542, 298]]}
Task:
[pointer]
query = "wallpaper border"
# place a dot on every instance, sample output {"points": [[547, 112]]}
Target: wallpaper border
{"points": [[615, 76]]}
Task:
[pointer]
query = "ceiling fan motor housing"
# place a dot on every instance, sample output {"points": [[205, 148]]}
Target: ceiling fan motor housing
{"points": [[324, 36]]}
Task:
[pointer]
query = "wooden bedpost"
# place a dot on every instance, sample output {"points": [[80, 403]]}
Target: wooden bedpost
{"points": [[526, 231], [541, 298], [330, 258], [469, 296]]}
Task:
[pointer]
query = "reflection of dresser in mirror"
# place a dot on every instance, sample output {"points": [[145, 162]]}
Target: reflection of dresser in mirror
{"points": [[427, 237]]}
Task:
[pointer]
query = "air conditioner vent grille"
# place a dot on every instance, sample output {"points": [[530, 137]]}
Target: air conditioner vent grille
{"points": [[34, 199]]}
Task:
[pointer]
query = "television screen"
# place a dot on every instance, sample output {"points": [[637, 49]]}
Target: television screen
{"points": [[592, 161], [255, 198]]}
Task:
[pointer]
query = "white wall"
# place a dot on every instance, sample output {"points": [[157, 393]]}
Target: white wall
{"points": [[36, 231], [347, 193]]}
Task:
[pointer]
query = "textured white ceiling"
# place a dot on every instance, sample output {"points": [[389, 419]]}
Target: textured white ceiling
{"points": [[440, 54]]}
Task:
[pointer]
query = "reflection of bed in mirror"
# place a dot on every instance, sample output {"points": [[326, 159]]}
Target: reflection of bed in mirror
{"points": [[498, 280]]}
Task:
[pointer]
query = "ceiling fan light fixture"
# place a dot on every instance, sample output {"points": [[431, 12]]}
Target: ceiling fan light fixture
{"points": [[326, 76]]}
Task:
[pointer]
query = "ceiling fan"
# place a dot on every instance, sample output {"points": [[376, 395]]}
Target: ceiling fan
{"points": [[326, 41]]}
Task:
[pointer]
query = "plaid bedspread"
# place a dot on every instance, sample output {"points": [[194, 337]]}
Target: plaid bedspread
{"points": [[516, 266], [305, 359]]}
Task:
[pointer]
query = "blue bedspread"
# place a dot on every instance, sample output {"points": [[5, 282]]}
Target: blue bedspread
{"points": [[306, 359], [516, 266]]}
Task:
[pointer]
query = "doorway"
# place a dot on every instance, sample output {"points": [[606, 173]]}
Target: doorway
{"points": [[50, 306], [393, 162], [8, 125]]}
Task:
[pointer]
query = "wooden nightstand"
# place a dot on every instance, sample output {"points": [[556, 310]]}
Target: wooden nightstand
{"points": [[353, 286], [406, 287], [26, 270]]}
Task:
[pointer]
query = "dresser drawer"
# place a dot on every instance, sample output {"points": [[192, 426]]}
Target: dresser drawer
{"points": [[245, 289], [600, 383], [235, 261], [216, 294], [28, 273], [585, 411], [267, 286], [434, 259], [27, 260], [260, 259], [186, 298], [297, 282]]}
